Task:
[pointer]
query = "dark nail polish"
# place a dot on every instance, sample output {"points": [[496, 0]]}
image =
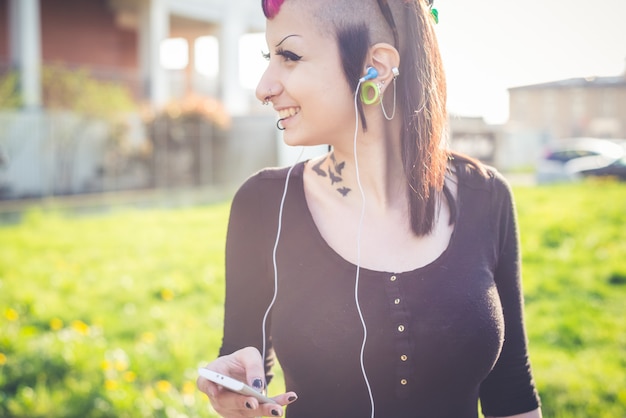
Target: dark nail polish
{"points": [[257, 384], [248, 405], [275, 413], [292, 398]]}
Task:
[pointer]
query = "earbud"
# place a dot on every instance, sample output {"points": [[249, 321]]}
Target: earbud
{"points": [[371, 73]]}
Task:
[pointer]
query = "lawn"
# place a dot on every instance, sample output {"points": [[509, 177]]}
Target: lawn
{"points": [[109, 315]]}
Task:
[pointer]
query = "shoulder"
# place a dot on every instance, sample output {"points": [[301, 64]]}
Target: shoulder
{"points": [[269, 181], [473, 174], [270, 175], [486, 194]]}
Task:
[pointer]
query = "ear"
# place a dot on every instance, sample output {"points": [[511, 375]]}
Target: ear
{"points": [[384, 58]]}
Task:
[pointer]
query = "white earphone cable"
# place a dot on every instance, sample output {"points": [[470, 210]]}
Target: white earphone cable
{"points": [[274, 251], [358, 261], [358, 253]]}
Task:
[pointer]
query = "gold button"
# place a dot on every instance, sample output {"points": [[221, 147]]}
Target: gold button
{"points": [[404, 382], [397, 301], [404, 357], [401, 328], [393, 278]]}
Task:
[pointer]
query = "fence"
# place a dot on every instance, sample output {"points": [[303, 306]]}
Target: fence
{"points": [[50, 154]]}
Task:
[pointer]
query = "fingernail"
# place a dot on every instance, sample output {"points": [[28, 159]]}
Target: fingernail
{"points": [[257, 384], [275, 413], [248, 405], [292, 398]]}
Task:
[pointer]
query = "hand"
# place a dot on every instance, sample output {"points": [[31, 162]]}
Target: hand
{"points": [[245, 365]]}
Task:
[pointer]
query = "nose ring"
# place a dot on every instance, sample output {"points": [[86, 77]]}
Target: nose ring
{"points": [[267, 98]]}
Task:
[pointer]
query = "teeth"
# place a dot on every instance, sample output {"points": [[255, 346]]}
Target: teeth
{"points": [[285, 113]]}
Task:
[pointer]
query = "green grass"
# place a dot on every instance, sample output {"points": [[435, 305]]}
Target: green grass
{"points": [[574, 253], [109, 316]]}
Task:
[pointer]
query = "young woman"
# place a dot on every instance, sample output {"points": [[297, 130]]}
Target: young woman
{"points": [[384, 275]]}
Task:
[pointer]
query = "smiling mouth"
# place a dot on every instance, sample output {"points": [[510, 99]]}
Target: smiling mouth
{"points": [[286, 113]]}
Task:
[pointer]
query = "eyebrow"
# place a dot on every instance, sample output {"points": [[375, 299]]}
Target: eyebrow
{"points": [[284, 39]]}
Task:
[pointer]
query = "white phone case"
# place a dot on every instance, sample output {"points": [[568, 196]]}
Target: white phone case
{"points": [[233, 385]]}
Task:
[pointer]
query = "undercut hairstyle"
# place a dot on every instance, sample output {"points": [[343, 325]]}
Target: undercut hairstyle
{"points": [[356, 25]]}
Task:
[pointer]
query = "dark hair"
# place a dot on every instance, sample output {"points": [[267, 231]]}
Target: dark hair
{"points": [[421, 97], [353, 42]]}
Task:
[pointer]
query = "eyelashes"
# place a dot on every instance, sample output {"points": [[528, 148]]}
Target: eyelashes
{"points": [[287, 55]]}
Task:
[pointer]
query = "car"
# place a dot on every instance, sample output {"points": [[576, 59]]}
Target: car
{"points": [[576, 158]]}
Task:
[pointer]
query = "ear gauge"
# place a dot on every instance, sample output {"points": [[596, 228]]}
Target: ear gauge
{"points": [[370, 93]]}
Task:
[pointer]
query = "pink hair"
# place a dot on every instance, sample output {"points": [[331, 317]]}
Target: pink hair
{"points": [[271, 7]]}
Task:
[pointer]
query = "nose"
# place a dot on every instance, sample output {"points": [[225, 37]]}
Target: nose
{"points": [[268, 86]]}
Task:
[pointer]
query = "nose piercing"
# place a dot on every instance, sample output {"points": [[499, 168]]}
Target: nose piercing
{"points": [[267, 98]]}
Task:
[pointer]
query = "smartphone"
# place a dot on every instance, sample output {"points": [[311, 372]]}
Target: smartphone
{"points": [[234, 385]]}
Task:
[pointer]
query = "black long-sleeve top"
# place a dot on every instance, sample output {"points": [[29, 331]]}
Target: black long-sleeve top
{"points": [[439, 338]]}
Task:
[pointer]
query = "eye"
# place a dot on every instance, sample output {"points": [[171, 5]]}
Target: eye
{"points": [[266, 55], [288, 55]]}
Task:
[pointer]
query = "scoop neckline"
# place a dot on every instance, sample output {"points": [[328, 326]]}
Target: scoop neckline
{"points": [[343, 263]]}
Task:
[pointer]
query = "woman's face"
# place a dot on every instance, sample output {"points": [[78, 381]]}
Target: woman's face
{"points": [[305, 80]]}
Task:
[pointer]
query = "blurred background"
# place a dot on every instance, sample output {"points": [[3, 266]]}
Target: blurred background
{"points": [[112, 95], [141, 114]]}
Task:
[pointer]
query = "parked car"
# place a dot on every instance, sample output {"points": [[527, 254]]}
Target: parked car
{"points": [[573, 159]]}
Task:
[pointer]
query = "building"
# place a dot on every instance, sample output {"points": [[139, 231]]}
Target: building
{"points": [[593, 107], [474, 137], [121, 41]]}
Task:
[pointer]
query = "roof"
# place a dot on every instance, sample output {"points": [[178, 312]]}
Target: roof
{"points": [[581, 82]]}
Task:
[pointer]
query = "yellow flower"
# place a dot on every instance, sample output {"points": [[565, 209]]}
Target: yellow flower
{"points": [[167, 294], [105, 365], [189, 388], [56, 324], [3, 359], [11, 314], [80, 327], [148, 337], [130, 376], [148, 393], [121, 365], [163, 386], [110, 384]]}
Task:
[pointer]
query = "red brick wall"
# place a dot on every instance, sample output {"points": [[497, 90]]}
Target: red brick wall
{"points": [[84, 32], [4, 32], [79, 32]]}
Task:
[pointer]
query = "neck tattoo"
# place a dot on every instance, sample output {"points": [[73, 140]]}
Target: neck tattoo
{"points": [[333, 173]]}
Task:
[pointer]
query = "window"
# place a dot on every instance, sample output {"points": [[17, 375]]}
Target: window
{"points": [[174, 53]]}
